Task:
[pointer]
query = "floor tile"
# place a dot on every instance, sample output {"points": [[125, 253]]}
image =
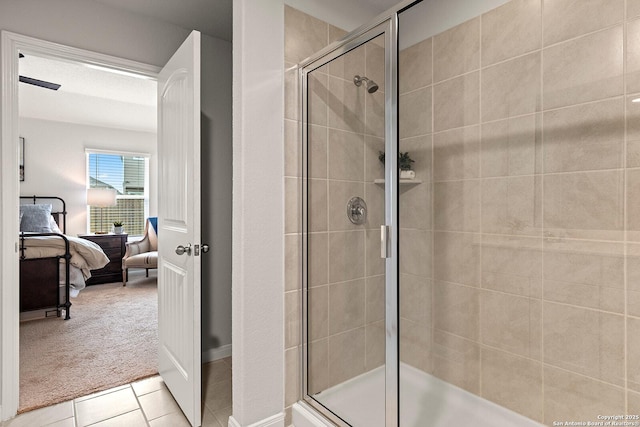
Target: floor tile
{"points": [[101, 393], [130, 419], [148, 385], [105, 406], [210, 420], [43, 416], [218, 395], [172, 420], [215, 372], [158, 403], [223, 415], [68, 422], [154, 406]]}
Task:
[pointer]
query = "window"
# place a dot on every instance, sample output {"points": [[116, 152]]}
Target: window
{"points": [[128, 175]]}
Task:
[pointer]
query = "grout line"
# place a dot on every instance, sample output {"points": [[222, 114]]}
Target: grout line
{"points": [[540, 50], [480, 199], [539, 111], [75, 413], [554, 239], [487, 178], [328, 293], [570, 372], [431, 198], [542, 205], [625, 213], [541, 298], [534, 360], [116, 416], [579, 36], [366, 103], [418, 89]]}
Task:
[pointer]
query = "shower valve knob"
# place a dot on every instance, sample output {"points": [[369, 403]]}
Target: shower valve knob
{"points": [[357, 211]]}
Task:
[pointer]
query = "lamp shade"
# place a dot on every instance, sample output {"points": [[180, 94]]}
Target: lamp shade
{"points": [[101, 197]]}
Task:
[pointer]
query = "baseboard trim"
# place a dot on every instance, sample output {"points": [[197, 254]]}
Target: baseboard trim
{"points": [[216, 353], [304, 416], [273, 421]]}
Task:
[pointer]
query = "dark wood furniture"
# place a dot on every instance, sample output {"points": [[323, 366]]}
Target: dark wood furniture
{"points": [[114, 246], [40, 277]]}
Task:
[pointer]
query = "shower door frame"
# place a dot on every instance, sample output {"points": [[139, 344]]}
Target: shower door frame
{"points": [[387, 25]]}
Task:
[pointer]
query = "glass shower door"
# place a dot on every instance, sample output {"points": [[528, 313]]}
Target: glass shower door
{"points": [[344, 208]]}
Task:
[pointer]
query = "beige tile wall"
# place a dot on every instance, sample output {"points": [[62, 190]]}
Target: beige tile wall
{"points": [[346, 274], [304, 35], [346, 297], [535, 200], [520, 254]]}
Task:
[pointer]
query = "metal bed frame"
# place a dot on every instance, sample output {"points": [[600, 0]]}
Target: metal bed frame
{"points": [[36, 273]]}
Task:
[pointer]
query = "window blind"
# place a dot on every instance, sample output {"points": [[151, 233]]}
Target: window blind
{"points": [[127, 175]]}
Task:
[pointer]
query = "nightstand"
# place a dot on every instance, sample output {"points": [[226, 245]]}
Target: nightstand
{"points": [[114, 246]]}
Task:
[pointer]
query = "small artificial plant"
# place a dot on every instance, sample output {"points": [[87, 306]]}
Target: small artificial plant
{"points": [[117, 223], [404, 160]]}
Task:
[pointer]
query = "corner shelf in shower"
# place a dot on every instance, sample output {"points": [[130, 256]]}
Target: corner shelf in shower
{"points": [[402, 181]]}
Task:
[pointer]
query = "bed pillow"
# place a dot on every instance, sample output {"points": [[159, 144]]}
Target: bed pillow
{"points": [[54, 225], [35, 218]]}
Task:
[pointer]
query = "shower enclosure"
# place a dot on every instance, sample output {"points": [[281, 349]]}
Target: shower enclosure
{"points": [[470, 216]]}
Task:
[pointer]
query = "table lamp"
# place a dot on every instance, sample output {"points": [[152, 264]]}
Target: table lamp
{"points": [[101, 198]]}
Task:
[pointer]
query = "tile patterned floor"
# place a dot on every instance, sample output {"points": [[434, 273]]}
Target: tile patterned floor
{"points": [[145, 403]]}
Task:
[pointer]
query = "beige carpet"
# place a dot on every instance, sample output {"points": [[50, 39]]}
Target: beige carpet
{"points": [[110, 340]]}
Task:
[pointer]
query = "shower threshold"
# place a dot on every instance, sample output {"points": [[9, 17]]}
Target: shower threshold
{"points": [[425, 401]]}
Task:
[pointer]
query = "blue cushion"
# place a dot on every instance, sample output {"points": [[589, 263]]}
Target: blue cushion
{"points": [[35, 218], [154, 223]]}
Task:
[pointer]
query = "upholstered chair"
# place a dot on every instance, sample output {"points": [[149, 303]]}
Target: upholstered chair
{"points": [[143, 253]]}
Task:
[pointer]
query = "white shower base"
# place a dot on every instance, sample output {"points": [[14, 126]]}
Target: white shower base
{"points": [[425, 401]]}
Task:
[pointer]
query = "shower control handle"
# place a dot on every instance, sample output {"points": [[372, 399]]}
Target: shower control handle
{"points": [[357, 211]]}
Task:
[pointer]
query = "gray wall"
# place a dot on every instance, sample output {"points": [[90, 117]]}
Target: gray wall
{"points": [[217, 159], [93, 26]]}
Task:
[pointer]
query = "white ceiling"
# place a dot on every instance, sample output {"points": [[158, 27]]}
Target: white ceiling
{"points": [[100, 98], [87, 96]]}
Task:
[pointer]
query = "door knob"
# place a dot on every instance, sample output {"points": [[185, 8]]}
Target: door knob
{"points": [[205, 248], [180, 250]]}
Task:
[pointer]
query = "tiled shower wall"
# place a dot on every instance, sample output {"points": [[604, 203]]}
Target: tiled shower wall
{"points": [[533, 206], [346, 279], [520, 248], [346, 273]]}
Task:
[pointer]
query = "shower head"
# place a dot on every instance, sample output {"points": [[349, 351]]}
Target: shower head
{"points": [[372, 86], [369, 84]]}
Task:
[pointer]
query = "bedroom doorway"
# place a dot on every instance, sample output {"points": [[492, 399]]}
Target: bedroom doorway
{"points": [[216, 200], [102, 125], [138, 285]]}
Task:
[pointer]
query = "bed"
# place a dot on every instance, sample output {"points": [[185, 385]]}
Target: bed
{"points": [[53, 265]]}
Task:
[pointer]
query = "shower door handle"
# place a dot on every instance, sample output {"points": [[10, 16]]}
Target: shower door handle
{"points": [[385, 232]]}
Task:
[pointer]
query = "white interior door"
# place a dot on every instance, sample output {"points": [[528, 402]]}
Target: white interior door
{"points": [[179, 226]]}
